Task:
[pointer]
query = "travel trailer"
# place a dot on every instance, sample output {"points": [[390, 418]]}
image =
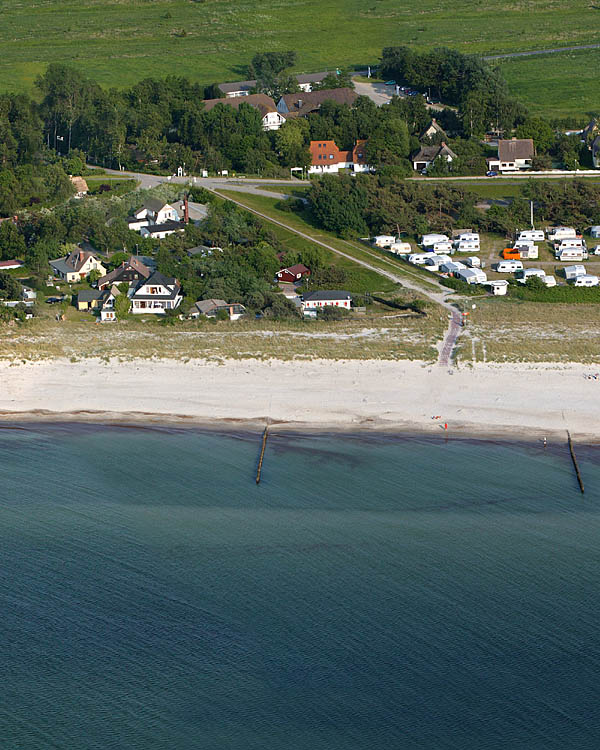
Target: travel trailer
{"points": [[471, 275], [587, 280], [572, 272], [429, 240], [534, 235], [529, 273], [508, 266]]}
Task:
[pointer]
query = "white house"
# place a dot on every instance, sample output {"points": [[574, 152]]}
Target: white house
{"points": [[327, 158], [155, 295], [317, 300], [428, 154], [514, 155], [77, 265], [162, 230], [271, 118]]}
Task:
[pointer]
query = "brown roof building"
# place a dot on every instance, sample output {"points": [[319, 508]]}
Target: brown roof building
{"points": [[130, 270], [516, 149], [303, 103], [271, 118]]}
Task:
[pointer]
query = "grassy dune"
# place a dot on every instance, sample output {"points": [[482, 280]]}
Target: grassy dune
{"points": [[120, 41]]}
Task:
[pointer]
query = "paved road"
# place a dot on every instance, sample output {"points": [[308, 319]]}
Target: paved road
{"points": [[542, 51]]}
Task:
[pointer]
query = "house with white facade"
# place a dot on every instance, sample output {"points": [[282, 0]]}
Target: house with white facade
{"points": [[327, 158], [428, 154], [271, 118], [156, 295], [514, 155], [313, 301], [154, 211], [77, 265]]}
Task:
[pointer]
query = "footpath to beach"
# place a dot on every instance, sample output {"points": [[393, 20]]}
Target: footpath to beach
{"points": [[530, 401]]}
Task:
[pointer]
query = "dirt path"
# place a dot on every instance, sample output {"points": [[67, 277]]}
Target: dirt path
{"points": [[542, 51]]}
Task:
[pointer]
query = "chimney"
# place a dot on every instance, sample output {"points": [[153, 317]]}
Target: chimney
{"points": [[300, 103], [186, 210]]}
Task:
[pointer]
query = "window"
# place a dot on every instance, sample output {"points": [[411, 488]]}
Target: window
{"points": [[331, 156], [320, 157]]}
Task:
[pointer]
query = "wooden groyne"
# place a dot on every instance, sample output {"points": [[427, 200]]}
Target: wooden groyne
{"points": [[575, 464], [262, 453]]}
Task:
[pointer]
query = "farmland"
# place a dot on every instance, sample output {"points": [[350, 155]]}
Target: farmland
{"points": [[118, 42]]}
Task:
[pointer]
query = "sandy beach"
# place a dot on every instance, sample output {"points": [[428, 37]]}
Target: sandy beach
{"points": [[531, 400]]}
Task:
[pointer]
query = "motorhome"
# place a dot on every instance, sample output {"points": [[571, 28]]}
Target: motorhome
{"points": [[429, 240], [384, 240], [572, 272], [419, 259], [587, 280], [529, 273], [400, 248], [572, 253], [508, 266], [471, 275], [560, 233], [535, 235]]}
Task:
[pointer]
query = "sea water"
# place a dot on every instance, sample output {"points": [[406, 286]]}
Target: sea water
{"points": [[371, 592]]}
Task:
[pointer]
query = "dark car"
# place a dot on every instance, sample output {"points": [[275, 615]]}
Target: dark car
{"points": [[491, 173]]}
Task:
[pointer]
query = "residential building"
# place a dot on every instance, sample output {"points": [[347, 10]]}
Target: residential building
{"points": [[293, 274], [155, 295], [323, 298], [303, 103], [514, 155], [89, 299], [107, 309], [76, 266], [80, 186], [327, 158], [244, 88], [271, 118], [7, 265], [428, 154], [210, 308], [129, 271], [154, 211], [433, 130], [162, 230]]}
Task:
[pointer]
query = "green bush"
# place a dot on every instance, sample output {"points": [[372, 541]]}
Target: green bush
{"points": [[569, 294], [462, 286]]}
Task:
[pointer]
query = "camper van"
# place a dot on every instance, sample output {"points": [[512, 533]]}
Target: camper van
{"points": [[571, 253], [587, 280], [429, 240], [528, 273], [471, 275], [508, 266], [418, 259], [560, 233], [472, 261], [535, 235], [572, 272], [467, 246], [400, 247], [433, 262], [384, 240]]}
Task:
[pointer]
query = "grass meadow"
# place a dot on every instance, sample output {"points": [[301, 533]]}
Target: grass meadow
{"points": [[119, 42]]}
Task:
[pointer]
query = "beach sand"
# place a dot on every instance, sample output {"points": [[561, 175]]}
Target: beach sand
{"points": [[529, 400]]}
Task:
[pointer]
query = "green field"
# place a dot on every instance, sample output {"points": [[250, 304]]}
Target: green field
{"points": [[119, 42]]}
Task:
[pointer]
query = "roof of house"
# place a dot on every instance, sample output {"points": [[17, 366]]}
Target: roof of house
{"points": [[331, 154], [303, 103], [167, 226], [325, 295], [430, 153], [88, 295], [359, 154], [157, 279], [596, 144], [263, 103], [516, 148], [154, 204], [208, 305], [228, 88], [296, 269], [436, 127], [11, 263], [76, 259], [133, 262], [79, 184]]}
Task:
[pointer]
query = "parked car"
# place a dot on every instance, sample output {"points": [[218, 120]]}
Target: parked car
{"points": [[390, 83], [491, 173]]}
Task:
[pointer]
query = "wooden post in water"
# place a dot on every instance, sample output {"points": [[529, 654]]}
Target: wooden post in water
{"points": [[262, 453], [575, 464]]}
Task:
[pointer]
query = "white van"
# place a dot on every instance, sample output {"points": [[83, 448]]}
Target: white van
{"points": [[587, 280], [535, 235], [560, 233], [508, 266], [443, 247], [418, 259], [572, 272], [400, 247], [467, 246], [428, 240], [528, 273]]}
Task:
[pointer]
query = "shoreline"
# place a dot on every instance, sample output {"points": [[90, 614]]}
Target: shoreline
{"points": [[495, 401]]}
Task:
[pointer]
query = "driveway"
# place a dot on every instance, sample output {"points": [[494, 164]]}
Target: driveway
{"points": [[377, 92]]}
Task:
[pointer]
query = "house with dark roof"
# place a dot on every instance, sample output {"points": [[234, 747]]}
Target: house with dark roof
{"points": [[293, 274], [327, 158], [428, 154], [129, 271], [433, 130], [77, 265], [156, 295], [271, 118], [88, 299], [303, 103], [313, 301], [210, 308], [154, 211], [162, 230], [514, 155]]}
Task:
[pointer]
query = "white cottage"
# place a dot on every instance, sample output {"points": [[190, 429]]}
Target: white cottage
{"points": [[156, 295]]}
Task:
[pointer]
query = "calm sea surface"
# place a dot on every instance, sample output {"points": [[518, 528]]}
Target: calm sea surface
{"points": [[370, 593]]}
